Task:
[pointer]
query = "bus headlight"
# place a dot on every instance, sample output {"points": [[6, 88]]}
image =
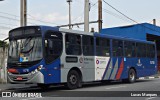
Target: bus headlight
{"points": [[9, 73], [33, 72], [38, 69]]}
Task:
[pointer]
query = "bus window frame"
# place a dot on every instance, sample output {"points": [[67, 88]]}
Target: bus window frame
{"points": [[44, 46], [122, 48], [108, 40], [73, 44], [93, 53]]}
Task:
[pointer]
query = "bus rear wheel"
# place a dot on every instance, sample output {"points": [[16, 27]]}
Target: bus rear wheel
{"points": [[131, 76], [73, 80]]}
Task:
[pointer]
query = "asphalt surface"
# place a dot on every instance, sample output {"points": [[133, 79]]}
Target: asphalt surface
{"points": [[143, 89]]}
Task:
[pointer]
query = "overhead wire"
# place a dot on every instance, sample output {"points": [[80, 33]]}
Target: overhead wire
{"points": [[120, 12], [82, 14], [111, 13], [129, 17], [33, 18]]}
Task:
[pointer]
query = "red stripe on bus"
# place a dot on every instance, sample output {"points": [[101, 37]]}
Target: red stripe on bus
{"points": [[120, 70]]}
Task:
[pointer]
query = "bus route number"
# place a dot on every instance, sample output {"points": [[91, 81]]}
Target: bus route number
{"points": [[152, 62]]}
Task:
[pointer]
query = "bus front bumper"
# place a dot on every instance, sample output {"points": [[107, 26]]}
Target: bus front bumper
{"points": [[25, 78]]}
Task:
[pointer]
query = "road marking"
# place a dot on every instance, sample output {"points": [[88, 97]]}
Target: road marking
{"points": [[141, 78], [151, 77], [115, 87], [150, 98]]}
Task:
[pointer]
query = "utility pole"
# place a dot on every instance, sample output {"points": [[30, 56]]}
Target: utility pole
{"points": [[69, 2], [86, 16], [99, 15], [23, 12], [154, 21]]}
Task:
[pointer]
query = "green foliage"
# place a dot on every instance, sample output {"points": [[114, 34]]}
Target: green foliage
{"points": [[3, 44]]}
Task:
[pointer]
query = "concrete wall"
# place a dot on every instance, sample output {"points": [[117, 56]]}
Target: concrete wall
{"points": [[3, 64]]}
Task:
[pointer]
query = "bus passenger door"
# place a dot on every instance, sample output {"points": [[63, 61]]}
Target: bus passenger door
{"points": [[53, 50]]}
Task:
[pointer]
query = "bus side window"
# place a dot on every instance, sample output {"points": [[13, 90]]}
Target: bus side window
{"points": [[73, 44], [88, 45], [150, 51], [117, 47], [102, 47], [53, 46], [129, 49], [141, 49]]}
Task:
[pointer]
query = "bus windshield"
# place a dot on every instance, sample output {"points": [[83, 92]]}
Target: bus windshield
{"points": [[25, 50]]}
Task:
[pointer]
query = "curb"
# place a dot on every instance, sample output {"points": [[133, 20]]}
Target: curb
{"points": [[150, 77]]}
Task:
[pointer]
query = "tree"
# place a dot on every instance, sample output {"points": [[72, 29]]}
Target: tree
{"points": [[3, 44]]}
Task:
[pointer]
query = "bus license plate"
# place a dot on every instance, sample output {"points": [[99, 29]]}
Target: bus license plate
{"points": [[19, 78]]}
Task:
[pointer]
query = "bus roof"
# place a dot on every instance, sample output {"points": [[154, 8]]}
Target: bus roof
{"points": [[86, 33], [121, 38]]}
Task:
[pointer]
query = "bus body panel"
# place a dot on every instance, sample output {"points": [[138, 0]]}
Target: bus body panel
{"points": [[88, 69], [101, 64], [68, 62], [53, 72], [93, 68], [118, 68], [28, 75], [143, 66]]}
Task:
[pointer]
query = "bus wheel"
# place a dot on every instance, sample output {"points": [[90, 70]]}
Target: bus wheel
{"points": [[73, 80], [43, 86], [131, 76]]}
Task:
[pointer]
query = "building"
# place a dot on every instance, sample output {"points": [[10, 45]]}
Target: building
{"points": [[144, 31]]}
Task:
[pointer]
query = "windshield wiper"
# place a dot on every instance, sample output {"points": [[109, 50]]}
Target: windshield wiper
{"points": [[27, 50], [27, 41]]}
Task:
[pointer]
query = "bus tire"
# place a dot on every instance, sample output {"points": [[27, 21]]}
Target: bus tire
{"points": [[43, 86], [73, 80], [131, 76]]}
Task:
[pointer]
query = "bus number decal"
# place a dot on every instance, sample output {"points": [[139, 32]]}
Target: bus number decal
{"points": [[152, 62], [139, 63]]}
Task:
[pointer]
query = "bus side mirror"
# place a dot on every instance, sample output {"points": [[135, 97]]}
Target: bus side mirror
{"points": [[46, 43]]}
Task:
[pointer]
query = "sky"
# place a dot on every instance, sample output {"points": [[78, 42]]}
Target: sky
{"points": [[55, 13]]}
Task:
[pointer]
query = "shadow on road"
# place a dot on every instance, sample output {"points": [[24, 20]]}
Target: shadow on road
{"points": [[63, 88]]}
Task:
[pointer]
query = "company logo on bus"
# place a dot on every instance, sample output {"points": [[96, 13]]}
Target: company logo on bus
{"points": [[97, 62], [139, 63], [25, 70]]}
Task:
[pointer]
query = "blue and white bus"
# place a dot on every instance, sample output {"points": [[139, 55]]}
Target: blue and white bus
{"points": [[46, 56]]}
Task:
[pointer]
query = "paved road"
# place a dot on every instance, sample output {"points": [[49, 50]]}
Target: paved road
{"points": [[144, 89]]}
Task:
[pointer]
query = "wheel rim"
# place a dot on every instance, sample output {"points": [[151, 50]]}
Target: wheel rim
{"points": [[132, 76], [73, 79]]}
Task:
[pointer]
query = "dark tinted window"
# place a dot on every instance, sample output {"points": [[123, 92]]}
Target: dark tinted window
{"points": [[150, 50], [53, 46], [129, 49], [141, 49], [73, 44], [117, 47], [88, 45], [102, 47]]}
